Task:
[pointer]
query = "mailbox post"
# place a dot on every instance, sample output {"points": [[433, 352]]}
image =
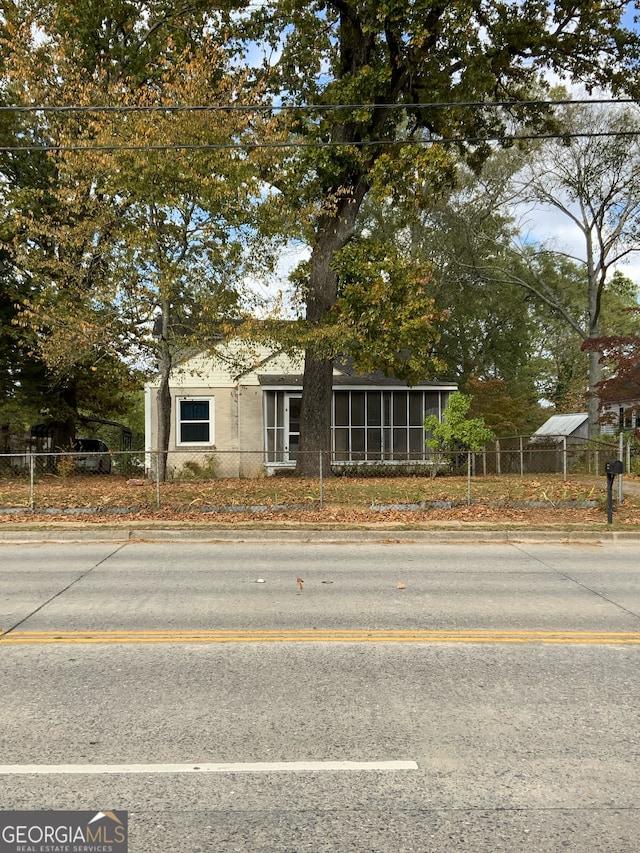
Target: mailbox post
{"points": [[611, 469]]}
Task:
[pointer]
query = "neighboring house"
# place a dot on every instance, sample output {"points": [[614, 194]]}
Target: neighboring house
{"points": [[559, 427], [618, 416], [245, 402]]}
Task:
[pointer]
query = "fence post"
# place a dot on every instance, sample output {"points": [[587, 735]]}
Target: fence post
{"points": [[32, 482], [629, 457], [321, 482], [498, 471], [521, 459], [564, 457], [620, 457], [468, 478], [484, 460]]}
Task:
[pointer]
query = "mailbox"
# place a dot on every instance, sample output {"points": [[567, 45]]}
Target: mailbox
{"points": [[611, 468]]}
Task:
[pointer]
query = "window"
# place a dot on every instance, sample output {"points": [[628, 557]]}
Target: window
{"points": [[195, 421]]}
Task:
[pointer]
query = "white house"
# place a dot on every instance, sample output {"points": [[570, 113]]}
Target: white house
{"points": [[243, 404]]}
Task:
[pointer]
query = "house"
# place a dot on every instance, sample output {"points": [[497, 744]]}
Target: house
{"points": [[619, 415], [243, 405]]}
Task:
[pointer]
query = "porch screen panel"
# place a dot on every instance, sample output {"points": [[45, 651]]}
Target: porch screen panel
{"points": [[399, 408], [358, 434], [416, 414], [374, 425], [270, 420], [399, 434], [416, 428], [399, 444], [374, 408], [294, 426], [431, 407], [431, 403], [341, 444], [374, 443], [357, 443], [341, 408], [357, 408]]}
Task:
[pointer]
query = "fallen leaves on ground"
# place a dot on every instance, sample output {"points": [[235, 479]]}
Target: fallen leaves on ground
{"points": [[539, 501]]}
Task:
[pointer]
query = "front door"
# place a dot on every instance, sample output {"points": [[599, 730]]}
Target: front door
{"points": [[292, 421]]}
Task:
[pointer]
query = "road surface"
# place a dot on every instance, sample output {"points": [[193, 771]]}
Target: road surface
{"points": [[403, 697]]}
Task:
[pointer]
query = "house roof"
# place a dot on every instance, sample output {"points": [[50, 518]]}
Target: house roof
{"points": [[559, 425], [345, 375]]}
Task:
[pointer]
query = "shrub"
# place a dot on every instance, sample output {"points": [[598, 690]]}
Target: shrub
{"points": [[193, 470]]}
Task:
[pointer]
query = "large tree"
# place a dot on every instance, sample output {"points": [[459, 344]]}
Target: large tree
{"points": [[517, 309], [135, 250], [408, 62], [590, 179], [483, 333]]}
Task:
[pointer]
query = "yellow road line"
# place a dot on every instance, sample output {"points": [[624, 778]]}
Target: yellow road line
{"points": [[323, 636]]}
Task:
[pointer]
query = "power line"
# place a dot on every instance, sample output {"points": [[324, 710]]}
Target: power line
{"points": [[250, 146], [175, 108]]}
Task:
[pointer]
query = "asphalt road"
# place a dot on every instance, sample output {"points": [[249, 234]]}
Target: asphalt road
{"points": [[491, 704]]}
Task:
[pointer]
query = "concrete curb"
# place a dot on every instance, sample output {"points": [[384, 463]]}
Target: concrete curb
{"points": [[386, 535]]}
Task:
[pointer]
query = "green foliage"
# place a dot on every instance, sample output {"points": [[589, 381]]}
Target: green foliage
{"points": [[105, 243], [207, 469], [398, 60], [482, 328], [380, 470], [504, 412], [413, 178], [384, 315], [127, 258], [457, 432]]}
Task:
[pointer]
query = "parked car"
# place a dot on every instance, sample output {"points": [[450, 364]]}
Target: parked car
{"points": [[93, 455]]}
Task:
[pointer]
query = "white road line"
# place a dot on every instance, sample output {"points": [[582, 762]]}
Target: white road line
{"points": [[241, 767]]}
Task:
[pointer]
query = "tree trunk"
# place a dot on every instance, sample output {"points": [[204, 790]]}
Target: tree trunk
{"points": [[64, 432], [596, 273], [315, 428], [334, 232], [593, 404], [163, 397]]}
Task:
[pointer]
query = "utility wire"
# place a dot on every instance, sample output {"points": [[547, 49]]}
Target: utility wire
{"points": [[250, 146], [174, 108], [300, 144]]}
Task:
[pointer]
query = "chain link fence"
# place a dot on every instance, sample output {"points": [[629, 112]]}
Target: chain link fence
{"points": [[249, 479], [551, 455]]}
